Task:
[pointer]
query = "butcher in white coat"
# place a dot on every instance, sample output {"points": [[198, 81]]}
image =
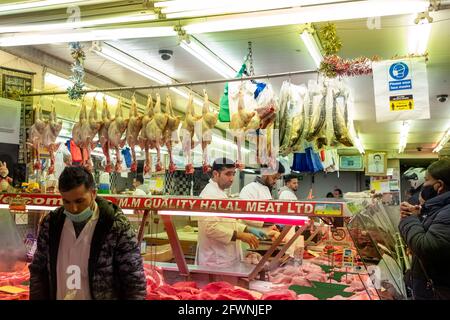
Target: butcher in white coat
{"points": [[219, 239], [261, 188], [289, 189]]}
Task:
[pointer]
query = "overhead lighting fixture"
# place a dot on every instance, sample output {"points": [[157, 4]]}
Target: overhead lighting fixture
{"points": [[312, 47], [203, 54], [23, 39], [310, 14], [445, 138], [358, 144], [230, 214], [419, 34], [24, 6], [403, 136], [78, 24], [204, 8], [129, 62]]}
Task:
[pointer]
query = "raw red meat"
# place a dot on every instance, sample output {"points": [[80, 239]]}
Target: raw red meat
{"points": [[306, 297], [206, 296], [280, 295], [237, 293], [184, 284], [215, 287], [222, 296], [281, 279], [154, 276]]}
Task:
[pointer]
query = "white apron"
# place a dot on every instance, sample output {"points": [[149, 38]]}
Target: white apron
{"points": [[73, 260]]}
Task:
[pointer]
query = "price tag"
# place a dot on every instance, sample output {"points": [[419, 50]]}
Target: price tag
{"points": [[347, 258], [21, 218]]}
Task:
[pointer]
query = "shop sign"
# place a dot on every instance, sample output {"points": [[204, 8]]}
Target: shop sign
{"points": [[401, 89], [309, 208]]}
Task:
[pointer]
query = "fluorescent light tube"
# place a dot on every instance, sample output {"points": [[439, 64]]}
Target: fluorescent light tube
{"points": [[403, 136], [84, 35], [203, 54], [131, 63], [233, 215], [312, 47], [75, 25], [445, 138], [311, 14]]}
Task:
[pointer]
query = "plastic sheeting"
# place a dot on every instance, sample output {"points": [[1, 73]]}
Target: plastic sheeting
{"points": [[12, 249]]}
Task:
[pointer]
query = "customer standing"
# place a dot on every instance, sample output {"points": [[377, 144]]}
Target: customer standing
{"points": [[426, 230]]}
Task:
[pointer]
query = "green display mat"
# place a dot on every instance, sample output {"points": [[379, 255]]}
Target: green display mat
{"points": [[322, 290]]}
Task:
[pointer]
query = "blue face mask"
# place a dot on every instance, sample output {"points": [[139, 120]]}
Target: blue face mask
{"points": [[80, 217]]}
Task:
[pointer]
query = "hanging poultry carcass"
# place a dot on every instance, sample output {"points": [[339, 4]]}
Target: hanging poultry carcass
{"points": [[51, 132], [154, 131], [37, 135], [239, 123], [133, 130], [188, 130], [115, 131], [103, 134], [88, 133], [78, 128], [143, 140], [209, 120], [171, 132]]}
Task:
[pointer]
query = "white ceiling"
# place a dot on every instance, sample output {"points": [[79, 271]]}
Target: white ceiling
{"points": [[279, 49]]}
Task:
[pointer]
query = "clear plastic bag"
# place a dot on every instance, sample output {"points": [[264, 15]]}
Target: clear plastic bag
{"points": [[13, 255]]}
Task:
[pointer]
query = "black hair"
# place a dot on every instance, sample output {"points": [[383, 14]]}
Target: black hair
{"points": [[377, 155], [330, 195], [140, 179], [338, 190], [73, 177], [440, 170], [281, 169], [287, 178], [222, 164]]}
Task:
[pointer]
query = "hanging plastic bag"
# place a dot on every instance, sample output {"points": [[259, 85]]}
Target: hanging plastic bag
{"points": [[340, 116], [329, 129], [224, 110], [313, 160], [13, 255], [299, 163], [318, 112]]}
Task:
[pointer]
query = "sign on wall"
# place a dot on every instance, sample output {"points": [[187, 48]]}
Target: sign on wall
{"points": [[401, 89]]}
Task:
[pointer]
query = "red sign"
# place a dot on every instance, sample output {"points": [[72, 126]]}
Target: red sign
{"points": [[266, 207]]}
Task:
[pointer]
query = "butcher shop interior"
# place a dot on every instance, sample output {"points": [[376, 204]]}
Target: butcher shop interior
{"points": [[225, 150]]}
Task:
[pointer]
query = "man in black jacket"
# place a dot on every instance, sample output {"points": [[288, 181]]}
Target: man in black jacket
{"points": [[87, 248], [428, 237]]}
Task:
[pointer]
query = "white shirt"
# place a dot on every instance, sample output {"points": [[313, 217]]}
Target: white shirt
{"points": [[73, 260], [287, 194], [214, 247], [255, 191]]}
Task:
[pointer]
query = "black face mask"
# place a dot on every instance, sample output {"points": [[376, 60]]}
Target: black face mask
{"points": [[428, 193]]}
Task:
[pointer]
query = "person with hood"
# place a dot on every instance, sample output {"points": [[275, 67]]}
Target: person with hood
{"points": [[219, 239], [290, 188], [416, 178], [426, 230]]}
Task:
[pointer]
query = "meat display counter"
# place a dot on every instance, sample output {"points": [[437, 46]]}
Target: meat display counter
{"points": [[337, 224]]}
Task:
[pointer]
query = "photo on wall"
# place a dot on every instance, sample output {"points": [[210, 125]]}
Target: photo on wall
{"points": [[376, 163]]}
